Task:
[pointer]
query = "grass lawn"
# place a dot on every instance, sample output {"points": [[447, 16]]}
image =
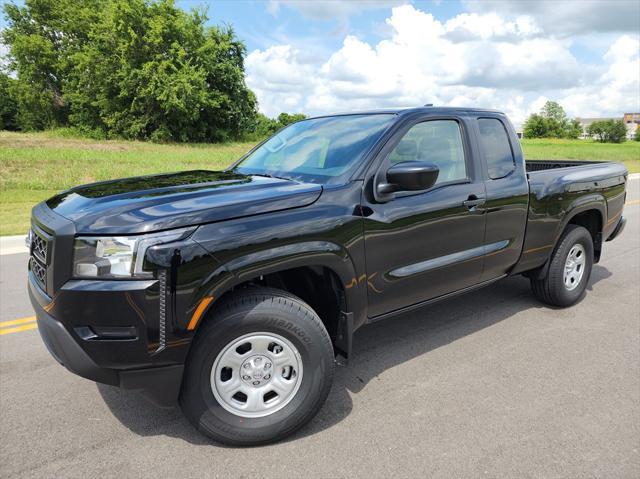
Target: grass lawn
{"points": [[547, 149], [34, 166]]}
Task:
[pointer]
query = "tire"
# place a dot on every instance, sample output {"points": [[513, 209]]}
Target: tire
{"points": [[251, 318], [552, 289]]}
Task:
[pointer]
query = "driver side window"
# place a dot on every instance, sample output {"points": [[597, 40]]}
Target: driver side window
{"points": [[438, 142]]}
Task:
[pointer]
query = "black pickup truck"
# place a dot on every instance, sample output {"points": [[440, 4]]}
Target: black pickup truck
{"points": [[233, 292]]}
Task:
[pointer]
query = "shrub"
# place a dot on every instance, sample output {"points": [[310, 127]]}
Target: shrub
{"points": [[265, 126], [608, 131]]}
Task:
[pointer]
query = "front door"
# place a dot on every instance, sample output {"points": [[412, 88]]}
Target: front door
{"points": [[421, 245]]}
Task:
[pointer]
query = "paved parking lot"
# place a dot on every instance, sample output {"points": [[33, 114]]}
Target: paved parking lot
{"points": [[492, 384]]}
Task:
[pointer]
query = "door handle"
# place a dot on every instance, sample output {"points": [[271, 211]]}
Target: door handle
{"points": [[473, 201]]}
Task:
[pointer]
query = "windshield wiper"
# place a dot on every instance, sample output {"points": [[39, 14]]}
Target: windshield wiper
{"points": [[267, 175]]}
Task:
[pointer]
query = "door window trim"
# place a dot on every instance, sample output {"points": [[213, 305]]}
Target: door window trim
{"points": [[382, 159]]}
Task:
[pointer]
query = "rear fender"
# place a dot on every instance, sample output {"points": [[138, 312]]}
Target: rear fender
{"points": [[594, 201], [580, 205]]}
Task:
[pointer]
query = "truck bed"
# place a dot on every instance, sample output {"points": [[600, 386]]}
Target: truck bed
{"points": [[573, 175], [558, 187]]}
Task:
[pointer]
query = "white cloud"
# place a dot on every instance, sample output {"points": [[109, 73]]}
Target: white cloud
{"points": [[616, 89], [477, 59], [470, 26]]}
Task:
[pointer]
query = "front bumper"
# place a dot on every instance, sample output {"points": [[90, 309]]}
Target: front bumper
{"points": [[160, 384], [618, 229]]}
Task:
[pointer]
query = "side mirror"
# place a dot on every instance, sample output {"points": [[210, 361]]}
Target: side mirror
{"points": [[409, 176]]}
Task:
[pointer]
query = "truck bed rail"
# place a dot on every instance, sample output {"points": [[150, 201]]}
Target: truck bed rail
{"points": [[538, 165]]}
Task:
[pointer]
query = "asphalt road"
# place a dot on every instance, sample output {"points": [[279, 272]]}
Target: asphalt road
{"points": [[492, 384]]}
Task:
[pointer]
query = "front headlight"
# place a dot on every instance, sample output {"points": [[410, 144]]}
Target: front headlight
{"points": [[117, 256]]}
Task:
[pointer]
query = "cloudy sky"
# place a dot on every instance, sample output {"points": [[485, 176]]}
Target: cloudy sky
{"points": [[323, 56]]}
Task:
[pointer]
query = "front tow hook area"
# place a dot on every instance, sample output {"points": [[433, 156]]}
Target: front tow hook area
{"points": [[67, 352]]}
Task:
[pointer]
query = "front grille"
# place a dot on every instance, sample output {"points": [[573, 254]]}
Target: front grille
{"points": [[39, 248], [39, 271], [38, 258]]}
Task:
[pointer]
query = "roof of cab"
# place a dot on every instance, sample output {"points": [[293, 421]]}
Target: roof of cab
{"points": [[443, 110]]}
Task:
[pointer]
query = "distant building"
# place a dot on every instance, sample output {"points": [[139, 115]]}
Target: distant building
{"points": [[631, 121], [586, 122]]}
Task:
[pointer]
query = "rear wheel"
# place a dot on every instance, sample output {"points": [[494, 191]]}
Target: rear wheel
{"points": [[259, 368], [569, 270]]}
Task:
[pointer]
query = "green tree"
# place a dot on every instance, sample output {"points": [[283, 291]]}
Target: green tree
{"points": [[597, 130], [554, 111], [141, 69], [8, 103], [535, 127], [574, 129], [608, 131], [557, 121], [41, 36], [285, 119], [265, 126], [636, 137], [617, 131], [551, 122]]}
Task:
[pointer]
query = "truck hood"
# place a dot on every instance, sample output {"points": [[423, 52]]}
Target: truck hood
{"points": [[158, 202]]}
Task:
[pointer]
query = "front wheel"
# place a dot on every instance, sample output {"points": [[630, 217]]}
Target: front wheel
{"points": [[259, 368], [569, 270]]}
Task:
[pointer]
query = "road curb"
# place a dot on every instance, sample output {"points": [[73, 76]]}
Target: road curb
{"points": [[12, 245], [634, 176]]}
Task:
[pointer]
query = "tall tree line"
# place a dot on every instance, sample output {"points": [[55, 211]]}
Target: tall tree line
{"points": [[138, 69]]}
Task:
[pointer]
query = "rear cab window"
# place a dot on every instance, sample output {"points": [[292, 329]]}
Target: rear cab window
{"points": [[496, 148]]}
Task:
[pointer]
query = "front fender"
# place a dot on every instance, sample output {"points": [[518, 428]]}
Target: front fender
{"points": [[280, 258], [326, 234]]}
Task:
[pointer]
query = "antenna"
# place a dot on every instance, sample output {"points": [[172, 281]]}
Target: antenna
{"points": [[429, 104]]}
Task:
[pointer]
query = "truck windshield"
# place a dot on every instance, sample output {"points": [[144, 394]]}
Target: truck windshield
{"points": [[319, 150]]}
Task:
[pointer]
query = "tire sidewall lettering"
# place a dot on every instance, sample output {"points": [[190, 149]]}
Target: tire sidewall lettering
{"points": [[293, 328]]}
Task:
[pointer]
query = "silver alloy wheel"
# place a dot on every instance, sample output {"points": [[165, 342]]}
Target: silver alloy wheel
{"points": [[256, 374], [574, 266]]}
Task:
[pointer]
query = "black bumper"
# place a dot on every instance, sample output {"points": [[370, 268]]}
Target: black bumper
{"points": [[161, 385]]}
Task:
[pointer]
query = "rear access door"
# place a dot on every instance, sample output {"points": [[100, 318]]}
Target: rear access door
{"points": [[507, 192]]}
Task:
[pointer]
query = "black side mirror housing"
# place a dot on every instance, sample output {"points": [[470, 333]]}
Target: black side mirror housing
{"points": [[409, 176]]}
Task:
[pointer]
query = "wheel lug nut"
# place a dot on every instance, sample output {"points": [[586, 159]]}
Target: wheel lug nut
{"points": [[246, 366], [256, 383], [267, 366], [246, 378], [267, 376]]}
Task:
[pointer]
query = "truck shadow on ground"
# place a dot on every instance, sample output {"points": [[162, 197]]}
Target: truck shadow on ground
{"points": [[378, 347]]}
